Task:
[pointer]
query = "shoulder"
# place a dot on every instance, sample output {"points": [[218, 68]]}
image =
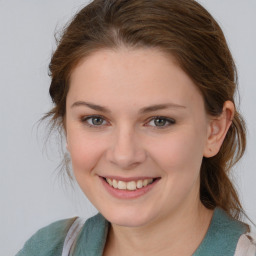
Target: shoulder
{"points": [[222, 235], [234, 234], [47, 241]]}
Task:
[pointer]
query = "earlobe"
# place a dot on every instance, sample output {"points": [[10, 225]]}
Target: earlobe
{"points": [[218, 128]]}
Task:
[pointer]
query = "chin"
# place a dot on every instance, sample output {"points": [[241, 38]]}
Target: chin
{"points": [[129, 222], [127, 218]]}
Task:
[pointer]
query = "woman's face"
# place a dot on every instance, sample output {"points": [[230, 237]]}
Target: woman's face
{"points": [[136, 131]]}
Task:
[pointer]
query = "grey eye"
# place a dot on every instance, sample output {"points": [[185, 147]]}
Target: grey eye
{"points": [[94, 121], [160, 122], [97, 120]]}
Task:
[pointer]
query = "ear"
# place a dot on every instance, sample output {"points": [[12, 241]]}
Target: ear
{"points": [[218, 128]]}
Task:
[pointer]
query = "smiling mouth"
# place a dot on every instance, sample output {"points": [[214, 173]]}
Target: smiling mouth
{"points": [[130, 185]]}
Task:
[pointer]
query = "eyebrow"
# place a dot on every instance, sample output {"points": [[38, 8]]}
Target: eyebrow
{"points": [[160, 107], [141, 111], [91, 105]]}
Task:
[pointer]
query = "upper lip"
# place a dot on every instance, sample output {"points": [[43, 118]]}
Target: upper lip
{"points": [[127, 179]]}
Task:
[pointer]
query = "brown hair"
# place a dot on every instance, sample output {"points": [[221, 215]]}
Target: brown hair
{"points": [[181, 28]]}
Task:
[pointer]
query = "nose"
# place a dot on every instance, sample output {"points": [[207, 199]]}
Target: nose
{"points": [[126, 150]]}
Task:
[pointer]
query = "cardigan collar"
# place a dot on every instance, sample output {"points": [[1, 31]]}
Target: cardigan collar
{"points": [[220, 239]]}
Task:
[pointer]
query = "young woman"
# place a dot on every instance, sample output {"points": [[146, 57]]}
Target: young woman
{"points": [[144, 92]]}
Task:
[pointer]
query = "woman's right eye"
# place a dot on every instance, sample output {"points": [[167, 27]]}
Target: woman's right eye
{"points": [[94, 121]]}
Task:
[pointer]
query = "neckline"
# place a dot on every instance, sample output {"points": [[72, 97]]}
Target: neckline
{"points": [[220, 239]]}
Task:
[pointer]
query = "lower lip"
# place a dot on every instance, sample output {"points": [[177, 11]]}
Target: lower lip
{"points": [[128, 194]]}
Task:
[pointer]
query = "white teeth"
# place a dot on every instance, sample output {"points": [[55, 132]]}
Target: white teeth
{"points": [[121, 185], [131, 185], [110, 182], [114, 184], [139, 184], [145, 183]]}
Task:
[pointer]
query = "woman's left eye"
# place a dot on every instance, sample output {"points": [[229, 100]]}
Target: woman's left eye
{"points": [[94, 121], [161, 122]]}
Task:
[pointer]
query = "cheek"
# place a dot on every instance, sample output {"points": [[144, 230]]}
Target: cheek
{"points": [[179, 153], [84, 151], [85, 154]]}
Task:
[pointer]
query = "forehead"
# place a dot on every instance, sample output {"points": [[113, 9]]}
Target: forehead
{"points": [[137, 76]]}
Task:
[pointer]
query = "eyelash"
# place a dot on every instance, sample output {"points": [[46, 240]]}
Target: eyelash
{"points": [[86, 118], [170, 121]]}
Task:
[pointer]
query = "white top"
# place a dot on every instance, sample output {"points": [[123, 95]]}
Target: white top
{"points": [[246, 246], [72, 236]]}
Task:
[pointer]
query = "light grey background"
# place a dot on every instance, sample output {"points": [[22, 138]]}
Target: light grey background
{"points": [[31, 194]]}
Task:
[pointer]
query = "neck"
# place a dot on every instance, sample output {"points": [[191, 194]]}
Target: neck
{"points": [[165, 237]]}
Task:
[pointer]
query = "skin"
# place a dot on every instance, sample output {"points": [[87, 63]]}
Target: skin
{"points": [[129, 143]]}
